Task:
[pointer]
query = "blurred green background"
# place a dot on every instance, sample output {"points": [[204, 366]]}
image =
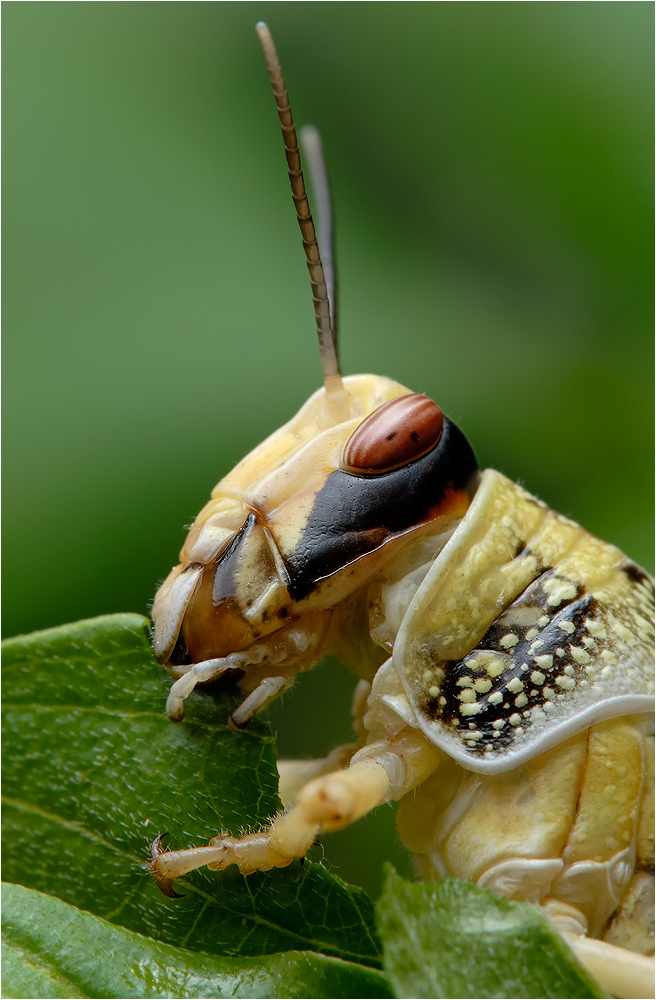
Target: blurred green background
{"points": [[492, 172]]}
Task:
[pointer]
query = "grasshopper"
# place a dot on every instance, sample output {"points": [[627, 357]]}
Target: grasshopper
{"points": [[504, 654]]}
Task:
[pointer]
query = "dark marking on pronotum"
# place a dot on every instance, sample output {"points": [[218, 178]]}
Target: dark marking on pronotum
{"points": [[551, 637], [635, 573]]}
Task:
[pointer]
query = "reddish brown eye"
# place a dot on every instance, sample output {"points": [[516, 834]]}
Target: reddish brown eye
{"points": [[396, 433]]}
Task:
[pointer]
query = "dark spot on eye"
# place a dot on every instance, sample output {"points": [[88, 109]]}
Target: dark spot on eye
{"points": [[373, 448], [283, 613]]}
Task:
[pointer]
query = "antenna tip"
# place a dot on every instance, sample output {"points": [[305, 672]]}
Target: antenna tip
{"points": [[309, 132], [266, 41]]}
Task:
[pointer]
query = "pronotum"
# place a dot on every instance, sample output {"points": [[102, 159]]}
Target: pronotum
{"points": [[505, 654]]}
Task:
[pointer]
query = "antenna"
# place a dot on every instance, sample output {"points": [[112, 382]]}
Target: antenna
{"points": [[313, 153], [322, 304]]}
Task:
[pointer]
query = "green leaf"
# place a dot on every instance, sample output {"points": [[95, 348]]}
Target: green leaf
{"points": [[52, 949], [93, 771], [451, 939]]}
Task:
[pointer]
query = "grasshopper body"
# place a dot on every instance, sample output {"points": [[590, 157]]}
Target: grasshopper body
{"points": [[504, 653]]}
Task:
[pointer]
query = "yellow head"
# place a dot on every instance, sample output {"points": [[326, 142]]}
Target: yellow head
{"points": [[310, 516], [305, 522]]}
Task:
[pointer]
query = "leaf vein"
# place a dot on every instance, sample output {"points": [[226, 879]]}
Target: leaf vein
{"points": [[70, 825]]}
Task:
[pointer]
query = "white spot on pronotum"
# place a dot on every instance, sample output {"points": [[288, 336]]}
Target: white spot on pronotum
{"points": [[482, 685], [433, 691], [498, 724], [560, 651], [538, 677], [496, 698], [579, 654], [515, 685], [567, 626], [464, 682], [515, 719], [567, 683], [545, 662], [544, 621], [521, 700], [470, 709], [533, 633], [559, 591], [508, 640], [467, 696]]}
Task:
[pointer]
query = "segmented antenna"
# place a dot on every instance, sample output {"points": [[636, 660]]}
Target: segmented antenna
{"points": [[322, 312]]}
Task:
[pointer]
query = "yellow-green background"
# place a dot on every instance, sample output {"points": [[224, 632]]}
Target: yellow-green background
{"points": [[492, 172]]}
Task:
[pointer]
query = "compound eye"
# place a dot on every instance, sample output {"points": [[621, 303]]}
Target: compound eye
{"points": [[395, 434]]}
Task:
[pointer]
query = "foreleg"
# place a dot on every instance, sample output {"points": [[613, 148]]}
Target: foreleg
{"points": [[295, 774], [377, 773]]}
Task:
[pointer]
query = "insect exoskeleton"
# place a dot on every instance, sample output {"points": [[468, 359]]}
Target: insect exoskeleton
{"points": [[269, 571], [505, 654]]}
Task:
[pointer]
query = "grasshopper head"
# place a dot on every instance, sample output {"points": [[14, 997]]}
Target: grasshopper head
{"points": [[312, 514], [309, 516]]}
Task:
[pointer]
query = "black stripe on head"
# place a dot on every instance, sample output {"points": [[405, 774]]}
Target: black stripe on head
{"points": [[353, 515]]}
